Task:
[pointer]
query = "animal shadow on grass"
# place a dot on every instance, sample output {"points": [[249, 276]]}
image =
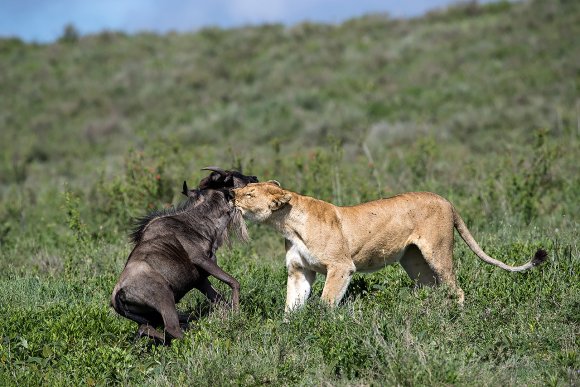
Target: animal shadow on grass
{"points": [[360, 288]]}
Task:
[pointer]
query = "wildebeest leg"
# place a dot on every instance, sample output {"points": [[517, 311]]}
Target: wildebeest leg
{"points": [[165, 304], [149, 331], [213, 269], [131, 307], [183, 317], [144, 316], [209, 291], [140, 301]]}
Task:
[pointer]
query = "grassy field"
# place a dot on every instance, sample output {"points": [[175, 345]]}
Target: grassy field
{"points": [[478, 103]]}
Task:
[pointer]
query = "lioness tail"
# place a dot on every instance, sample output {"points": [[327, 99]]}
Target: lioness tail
{"points": [[459, 224]]}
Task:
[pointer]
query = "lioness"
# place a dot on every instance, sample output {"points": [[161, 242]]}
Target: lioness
{"points": [[414, 229]]}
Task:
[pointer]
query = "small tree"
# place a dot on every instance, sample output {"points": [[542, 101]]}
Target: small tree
{"points": [[70, 34]]}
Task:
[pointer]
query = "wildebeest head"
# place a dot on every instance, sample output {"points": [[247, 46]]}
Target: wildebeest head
{"points": [[224, 181], [221, 179]]}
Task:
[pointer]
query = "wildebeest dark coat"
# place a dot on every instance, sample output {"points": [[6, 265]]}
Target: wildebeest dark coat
{"points": [[175, 252]]}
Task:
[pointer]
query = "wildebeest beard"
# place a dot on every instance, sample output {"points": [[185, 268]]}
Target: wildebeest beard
{"points": [[236, 227]]}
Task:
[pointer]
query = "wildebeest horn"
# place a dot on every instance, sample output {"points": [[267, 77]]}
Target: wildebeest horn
{"points": [[185, 190], [215, 169]]}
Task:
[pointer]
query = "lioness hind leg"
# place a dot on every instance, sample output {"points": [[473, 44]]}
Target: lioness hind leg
{"points": [[440, 261], [417, 268]]}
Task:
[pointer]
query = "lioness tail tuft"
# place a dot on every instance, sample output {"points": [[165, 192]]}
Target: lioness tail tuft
{"points": [[540, 256]]}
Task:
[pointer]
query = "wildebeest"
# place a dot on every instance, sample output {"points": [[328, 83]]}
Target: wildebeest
{"points": [[175, 252]]}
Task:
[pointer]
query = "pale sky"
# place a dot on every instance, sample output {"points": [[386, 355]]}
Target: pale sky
{"points": [[43, 20]]}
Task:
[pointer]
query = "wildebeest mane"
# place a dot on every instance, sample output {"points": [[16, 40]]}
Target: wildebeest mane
{"points": [[141, 222], [209, 204]]}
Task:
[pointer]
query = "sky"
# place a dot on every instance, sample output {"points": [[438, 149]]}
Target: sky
{"points": [[43, 21]]}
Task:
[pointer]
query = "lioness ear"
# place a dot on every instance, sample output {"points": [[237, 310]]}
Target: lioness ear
{"points": [[279, 201], [275, 182]]}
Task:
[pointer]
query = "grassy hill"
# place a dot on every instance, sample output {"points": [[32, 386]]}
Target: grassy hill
{"points": [[478, 103]]}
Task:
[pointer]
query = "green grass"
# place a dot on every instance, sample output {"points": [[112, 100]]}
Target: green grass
{"points": [[514, 329], [478, 103]]}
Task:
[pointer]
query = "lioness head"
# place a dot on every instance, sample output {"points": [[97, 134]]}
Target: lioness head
{"points": [[258, 201]]}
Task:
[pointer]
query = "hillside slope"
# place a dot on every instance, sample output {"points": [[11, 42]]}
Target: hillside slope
{"points": [[470, 70]]}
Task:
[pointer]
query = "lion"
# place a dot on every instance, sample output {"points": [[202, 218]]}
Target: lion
{"points": [[414, 229]]}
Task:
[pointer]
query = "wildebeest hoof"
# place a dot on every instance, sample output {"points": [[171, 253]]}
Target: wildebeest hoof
{"points": [[173, 333], [150, 332]]}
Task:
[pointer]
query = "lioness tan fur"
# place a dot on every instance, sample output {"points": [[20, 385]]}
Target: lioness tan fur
{"points": [[414, 229]]}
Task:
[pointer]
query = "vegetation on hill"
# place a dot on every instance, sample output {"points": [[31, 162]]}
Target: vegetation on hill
{"points": [[478, 103]]}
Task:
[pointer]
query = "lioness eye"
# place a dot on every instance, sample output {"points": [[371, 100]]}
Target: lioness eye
{"points": [[249, 195]]}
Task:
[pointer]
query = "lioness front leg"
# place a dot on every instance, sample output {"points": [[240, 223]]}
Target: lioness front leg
{"points": [[298, 287], [337, 280]]}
